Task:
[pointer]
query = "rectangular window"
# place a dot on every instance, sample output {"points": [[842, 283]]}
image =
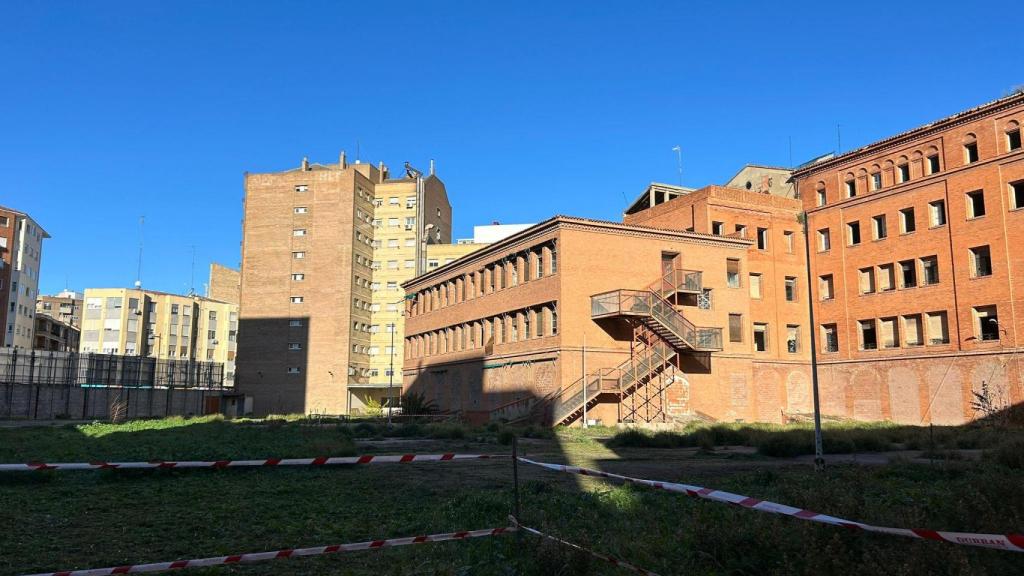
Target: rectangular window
{"points": [[299, 255], [755, 286], [933, 163], [717, 228], [301, 187], [866, 277], [853, 233], [294, 370], [822, 199], [976, 204], [393, 243], [868, 336], [829, 338], [930, 270], [760, 337], [886, 277], [301, 210], [824, 240], [907, 222], [393, 201], [297, 299], [981, 262], [298, 277], [878, 227], [890, 333], [937, 213], [876, 181], [741, 230], [735, 328], [971, 152], [299, 232], [295, 323], [732, 272], [410, 263], [410, 223], [904, 172], [912, 331], [787, 240], [825, 288], [851, 188], [986, 322], [762, 238], [1017, 194], [790, 288], [792, 338], [938, 328], [392, 222], [908, 274], [293, 346], [1013, 139]]}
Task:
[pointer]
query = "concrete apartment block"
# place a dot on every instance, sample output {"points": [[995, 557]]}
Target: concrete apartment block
{"points": [[65, 307], [21, 254], [918, 297], [53, 335]]}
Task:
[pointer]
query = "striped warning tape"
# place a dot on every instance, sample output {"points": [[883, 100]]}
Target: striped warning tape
{"points": [[604, 557], [287, 553], [321, 461], [1012, 542]]}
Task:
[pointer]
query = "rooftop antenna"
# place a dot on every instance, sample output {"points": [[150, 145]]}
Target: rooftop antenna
{"points": [[679, 162], [138, 277], [839, 138], [192, 279], [357, 151], [790, 151]]}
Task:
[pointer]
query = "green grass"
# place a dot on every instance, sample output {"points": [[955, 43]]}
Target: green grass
{"points": [[59, 520]]}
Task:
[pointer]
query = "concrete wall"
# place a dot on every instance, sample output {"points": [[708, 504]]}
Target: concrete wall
{"points": [[45, 402]]}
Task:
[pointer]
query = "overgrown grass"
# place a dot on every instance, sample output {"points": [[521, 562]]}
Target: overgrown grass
{"points": [[94, 519]]}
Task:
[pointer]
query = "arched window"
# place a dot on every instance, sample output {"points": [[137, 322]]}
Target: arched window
{"points": [[820, 194], [970, 148], [1013, 136]]}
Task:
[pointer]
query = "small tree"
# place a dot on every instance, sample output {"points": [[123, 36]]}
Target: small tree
{"points": [[373, 408], [416, 404], [991, 405]]}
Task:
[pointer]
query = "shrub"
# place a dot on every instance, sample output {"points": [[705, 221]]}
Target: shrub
{"points": [[411, 429], [505, 436], [373, 408], [365, 429], [786, 444], [446, 431], [632, 438], [416, 404], [1011, 454]]}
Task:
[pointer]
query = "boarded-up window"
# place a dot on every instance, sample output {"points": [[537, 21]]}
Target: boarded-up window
{"points": [[938, 328], [912, 330], [886, 277], [755, 286], [890, 333], [735, 328]]}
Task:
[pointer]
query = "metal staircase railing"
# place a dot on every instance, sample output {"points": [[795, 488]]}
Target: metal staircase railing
{"points": [[645, 303]]}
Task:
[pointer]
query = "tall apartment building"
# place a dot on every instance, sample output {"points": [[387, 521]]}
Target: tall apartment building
{"points": [[136, 322], [66, 307], [325, 250], [918, 298], [21, 254]]}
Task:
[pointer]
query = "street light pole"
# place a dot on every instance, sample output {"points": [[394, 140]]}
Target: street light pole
{"points": [[391, 373]]}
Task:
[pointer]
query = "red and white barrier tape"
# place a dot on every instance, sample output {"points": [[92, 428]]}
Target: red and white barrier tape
{"points": [[606, 558], [321, 461], [287, 553], [1011, 542]]}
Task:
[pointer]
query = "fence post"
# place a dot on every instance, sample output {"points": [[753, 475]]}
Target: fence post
{"points": [[515, 477]]}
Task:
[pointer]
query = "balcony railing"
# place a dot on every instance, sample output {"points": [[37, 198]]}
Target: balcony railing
{"points": [[678, 280], [648, 304]]}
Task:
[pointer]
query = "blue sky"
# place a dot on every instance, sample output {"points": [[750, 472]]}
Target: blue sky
{"points": [[112, 110]]}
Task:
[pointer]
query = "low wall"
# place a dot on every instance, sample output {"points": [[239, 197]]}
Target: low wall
{"points": [[47, 402]]}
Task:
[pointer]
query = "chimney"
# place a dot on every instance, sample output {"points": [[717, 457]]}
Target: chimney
{"points": [[431, 166], [342, 164], [305, 163], [383, 171]]}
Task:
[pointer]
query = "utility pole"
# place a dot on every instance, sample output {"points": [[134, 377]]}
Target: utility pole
{"points": [[584, 380], [391, 372], [819, 457]]}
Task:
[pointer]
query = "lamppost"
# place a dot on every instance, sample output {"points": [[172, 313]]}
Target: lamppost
{"points": [[391, 372]]}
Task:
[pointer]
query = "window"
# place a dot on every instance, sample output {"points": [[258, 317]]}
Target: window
{"points": [[937, 213], [971, 152], [301, 210], [393, 243], [890, 333], [1017, 194], [299, 255], [301, 187], [293, 346], [851, 188], [4, 222], [976, 204], [787, 241], [298, 277], [392, 264], [981, 262], [392, 222], [790, 289], [297, 300], [393, 201], [554, 321], [829, 338], [868, 336], [294, 370], [377, 222], [735, 327], [853, 233], [760, 337], [904, 172], [908, 274], [299, 232], [755, 286], [410, 264], [762, 238], [410, 223], [822, 200], [878, 227], [717, 228], [876, 180], [741, 230], [824, 240], [792, 338], [938, 328], [907, 222], [912, 330], [392, 285], [930, 270], [825, 287], [410, 201], [886, 277], [933, 163], [732, 272], [866, 280], [986, 323], [1013, 139]]}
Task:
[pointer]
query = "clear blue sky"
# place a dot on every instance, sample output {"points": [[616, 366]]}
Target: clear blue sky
{"points": [[110, 110]]}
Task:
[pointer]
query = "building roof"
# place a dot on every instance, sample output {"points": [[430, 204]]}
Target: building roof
{"points": [[643, 200], [20, 213], [161, 293], [1004, 102]]}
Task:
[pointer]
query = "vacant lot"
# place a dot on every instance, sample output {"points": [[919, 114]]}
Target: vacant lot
{"points": [[62, 520]]}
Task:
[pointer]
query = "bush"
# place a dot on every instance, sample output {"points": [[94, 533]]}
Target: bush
{"points": [[1011, 454], [506, 436], [416, 404], [446, 431], [365, 430], [787, 444], [632, 438], [373, 408], [409, 430]]}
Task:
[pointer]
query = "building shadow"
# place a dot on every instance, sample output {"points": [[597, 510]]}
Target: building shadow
{"points": [[273, 373]]}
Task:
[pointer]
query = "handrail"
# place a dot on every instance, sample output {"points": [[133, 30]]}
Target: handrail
{"points": [[649, 303], [678, 279]]}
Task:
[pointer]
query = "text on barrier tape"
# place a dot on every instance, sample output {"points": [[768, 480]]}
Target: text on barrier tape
{"points": [[287, 553], [321, 461], [1012, 542]]}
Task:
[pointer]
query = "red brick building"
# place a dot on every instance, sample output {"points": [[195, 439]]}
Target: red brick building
{"points": [[918, 297]]}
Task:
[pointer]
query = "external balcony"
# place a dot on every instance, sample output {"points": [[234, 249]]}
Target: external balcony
{"points": [[659, 316]]}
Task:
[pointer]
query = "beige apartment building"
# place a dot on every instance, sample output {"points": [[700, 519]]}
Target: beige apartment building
{"points": [[135, 322], [325, 250], [66, 307]]}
